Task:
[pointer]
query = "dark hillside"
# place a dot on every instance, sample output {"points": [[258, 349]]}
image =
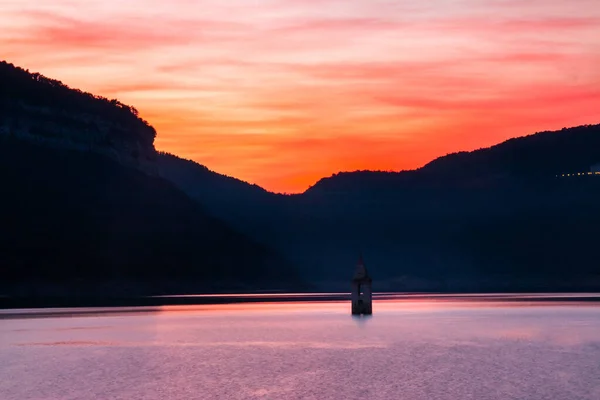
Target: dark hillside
{"points": [[492, 219], [83, 209], [524, 160], [72, 217]]}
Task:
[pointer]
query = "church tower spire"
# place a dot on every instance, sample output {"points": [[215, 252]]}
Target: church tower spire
{"points": [[361, 294]]}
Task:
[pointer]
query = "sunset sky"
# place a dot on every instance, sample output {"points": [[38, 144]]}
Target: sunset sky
{"points": [[283, 92]]}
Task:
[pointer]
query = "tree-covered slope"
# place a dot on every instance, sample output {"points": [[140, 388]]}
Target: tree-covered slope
{"points": [[70, 216], [538, 156]]}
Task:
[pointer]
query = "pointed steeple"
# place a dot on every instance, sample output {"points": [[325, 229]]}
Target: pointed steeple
{"points": [[361, 271]]}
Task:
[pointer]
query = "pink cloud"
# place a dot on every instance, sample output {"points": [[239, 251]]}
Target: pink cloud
{"points": [[60, 32]]}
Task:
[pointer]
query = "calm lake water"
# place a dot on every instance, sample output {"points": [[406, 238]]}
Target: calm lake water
{"points": [[410, 349]]}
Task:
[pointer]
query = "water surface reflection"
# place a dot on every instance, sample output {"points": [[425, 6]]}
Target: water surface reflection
{"points": [[436, 348]]}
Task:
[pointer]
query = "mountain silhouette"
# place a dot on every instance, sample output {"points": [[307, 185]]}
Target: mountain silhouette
{"points": [[84, 210], [492, 219], [525, 159], [91, 205]]}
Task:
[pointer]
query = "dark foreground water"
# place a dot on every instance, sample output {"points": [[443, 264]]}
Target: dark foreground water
{"points": [[410, 349]]}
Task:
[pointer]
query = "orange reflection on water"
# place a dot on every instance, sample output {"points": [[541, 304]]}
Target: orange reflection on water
{"points": [[323, 303], [403, 304], [261, 307]]}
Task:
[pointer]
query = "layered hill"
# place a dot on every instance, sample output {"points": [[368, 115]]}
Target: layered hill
{"points": [[83, 209], [492, 219]]}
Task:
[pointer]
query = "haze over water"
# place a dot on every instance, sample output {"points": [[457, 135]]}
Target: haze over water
{"points": [[427, 349]]}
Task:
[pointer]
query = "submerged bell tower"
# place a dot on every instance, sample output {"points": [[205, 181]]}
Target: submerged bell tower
{"points": [[362, 298]]}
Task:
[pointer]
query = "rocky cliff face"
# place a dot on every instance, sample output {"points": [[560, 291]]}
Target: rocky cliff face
{"points": [[42, 110]]}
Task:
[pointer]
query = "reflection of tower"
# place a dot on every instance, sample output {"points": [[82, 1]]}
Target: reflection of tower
{"points": [[362, 302]]}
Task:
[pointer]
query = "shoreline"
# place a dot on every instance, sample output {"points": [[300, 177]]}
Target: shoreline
{"points": [[12, 307]]}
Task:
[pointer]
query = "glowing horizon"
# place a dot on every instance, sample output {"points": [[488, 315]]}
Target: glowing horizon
{"points": [[284, 92]]}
